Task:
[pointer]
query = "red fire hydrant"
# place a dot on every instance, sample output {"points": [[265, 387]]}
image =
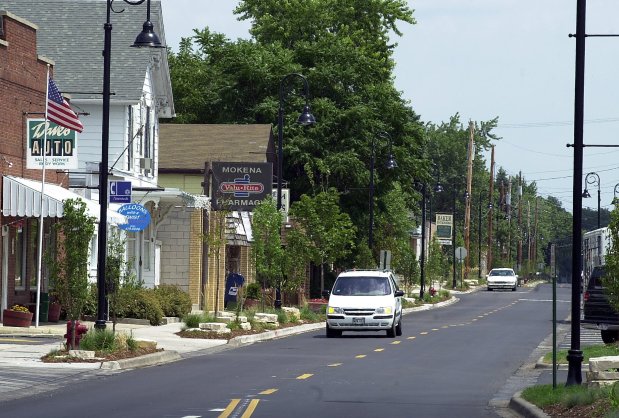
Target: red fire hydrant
{"points": [[432, 291], [79, 331]]}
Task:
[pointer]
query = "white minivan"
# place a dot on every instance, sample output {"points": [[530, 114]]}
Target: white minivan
{"points": [[364, 300]]}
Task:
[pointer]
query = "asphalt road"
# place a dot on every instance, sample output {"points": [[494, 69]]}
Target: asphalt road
{"points": [[450, 362]]}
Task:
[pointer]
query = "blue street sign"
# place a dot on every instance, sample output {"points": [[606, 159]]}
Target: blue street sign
{"points": [[120, 191]]}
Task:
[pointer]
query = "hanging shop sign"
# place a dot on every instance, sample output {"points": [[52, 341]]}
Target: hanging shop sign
{"points": [[60, 146], [240, 186], [444, 228], [138, 217]]}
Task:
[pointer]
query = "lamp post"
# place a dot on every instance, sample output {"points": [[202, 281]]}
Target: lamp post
{"points": [[305, 118], [574, 356], [146, 38], [615, 199], [422, 259], [593, 178], [391, 164]]}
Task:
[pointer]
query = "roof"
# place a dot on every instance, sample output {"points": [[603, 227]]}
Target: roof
{"points": [[188, 147], [71, 33]]}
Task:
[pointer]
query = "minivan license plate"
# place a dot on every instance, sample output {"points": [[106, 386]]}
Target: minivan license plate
{"points": [[358, 321]]}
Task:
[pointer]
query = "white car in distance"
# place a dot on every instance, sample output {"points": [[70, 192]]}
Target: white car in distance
{"points": [[502, 278]]}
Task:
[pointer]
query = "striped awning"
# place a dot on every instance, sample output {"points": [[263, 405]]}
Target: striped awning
{"points": [[22, 197]]}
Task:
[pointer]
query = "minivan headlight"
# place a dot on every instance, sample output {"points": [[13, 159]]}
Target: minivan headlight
{"points": [[334, 310], [386, 310]]}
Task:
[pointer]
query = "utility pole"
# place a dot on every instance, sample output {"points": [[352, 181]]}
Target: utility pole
{"points": [[519, 254], [467, 211], [529, 241], [490, 207], [534, 250], [508, 202]]}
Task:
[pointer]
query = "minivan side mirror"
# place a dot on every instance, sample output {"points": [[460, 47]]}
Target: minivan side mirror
{"points": [[325, 294], [399, 293]]}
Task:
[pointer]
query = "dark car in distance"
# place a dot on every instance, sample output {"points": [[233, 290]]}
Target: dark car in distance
{"points": [[597, 311]]}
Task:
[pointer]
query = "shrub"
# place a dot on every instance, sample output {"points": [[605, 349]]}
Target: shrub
{"points": [[141, 304], [192, 320], [308, 315], [173, 300], [107, 341], [98, 340], [253, 291]]}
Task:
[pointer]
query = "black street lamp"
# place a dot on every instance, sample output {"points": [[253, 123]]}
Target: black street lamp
{"points": [[305, 118], [422, 259], [391, 164], [594, 179], [146, 38], [615, 199]]}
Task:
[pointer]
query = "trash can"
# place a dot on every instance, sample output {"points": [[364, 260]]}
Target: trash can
{"points": [[43, 307]]}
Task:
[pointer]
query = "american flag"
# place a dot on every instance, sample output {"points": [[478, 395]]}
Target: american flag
{"points": [[59, 111]]}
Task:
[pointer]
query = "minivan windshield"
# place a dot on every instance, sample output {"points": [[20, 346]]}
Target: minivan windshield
{"points": [[362, 286], [501, 272]]}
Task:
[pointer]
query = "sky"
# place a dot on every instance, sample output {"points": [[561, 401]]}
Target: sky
{"points": [[511, 59]]}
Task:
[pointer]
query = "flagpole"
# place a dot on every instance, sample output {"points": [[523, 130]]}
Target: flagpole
{"points": [[40, 254]]}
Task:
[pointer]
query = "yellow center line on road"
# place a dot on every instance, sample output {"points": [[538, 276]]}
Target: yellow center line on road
{"points": [[434, 329], [304, 376], [267, 392], [334, 365], [474, 319], [480, 316], [360, 356], [250, 408], [411, 338], [444, 326], [226, 413], [396, 342], [423, 333], [378, 350]]}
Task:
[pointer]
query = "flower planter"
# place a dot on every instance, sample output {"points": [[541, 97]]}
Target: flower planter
{"points": [[16, 319], [53, 313]]}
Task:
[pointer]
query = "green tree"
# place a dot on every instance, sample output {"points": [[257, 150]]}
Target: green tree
{"points": [[437, 265], [330, 233], [611, 280], [69, 267], [267, 249], [119, 276], [344, 49]]}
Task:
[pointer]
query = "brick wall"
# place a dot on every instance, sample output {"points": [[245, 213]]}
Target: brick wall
{"points": [[22, 91]]}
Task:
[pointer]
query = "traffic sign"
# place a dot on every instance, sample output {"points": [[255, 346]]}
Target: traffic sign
{"points": [[460, 253], [120, 191]]}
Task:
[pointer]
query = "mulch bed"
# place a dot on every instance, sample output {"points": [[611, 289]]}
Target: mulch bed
{"points": [[599, 408], [57, 357]]}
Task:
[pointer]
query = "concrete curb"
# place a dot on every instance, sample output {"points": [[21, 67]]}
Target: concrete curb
{"points": [[525, 408], [159, 357], [270, 335]]}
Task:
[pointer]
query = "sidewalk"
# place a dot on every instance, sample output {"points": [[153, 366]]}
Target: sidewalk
{"points": [[18, 352]]}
